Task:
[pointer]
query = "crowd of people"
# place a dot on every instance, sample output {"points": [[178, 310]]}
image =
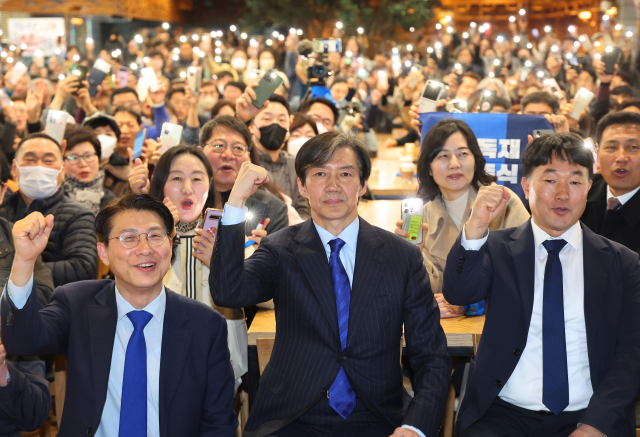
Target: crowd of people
{"points": [[158, 344]]}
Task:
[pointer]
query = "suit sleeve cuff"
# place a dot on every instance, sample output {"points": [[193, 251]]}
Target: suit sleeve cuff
{"points": [[19, 295], [232, 215], [420, 433], [473, 244]]}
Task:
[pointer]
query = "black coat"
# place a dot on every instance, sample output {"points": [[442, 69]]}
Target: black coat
{"points": [[390, 290], [25, 401], [41, 274], [621, 226], [503, 273], [71, 253]]}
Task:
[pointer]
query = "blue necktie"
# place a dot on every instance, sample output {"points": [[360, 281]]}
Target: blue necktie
{"points": [[341, 395], [133, 405], [555, 376]]}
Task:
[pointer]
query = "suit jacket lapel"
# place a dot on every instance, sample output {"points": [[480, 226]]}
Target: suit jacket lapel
{"points": [[596, 205], [313, 261], [522, 249], [370, 260], [103, 318], [175, 346], [595, 258]]}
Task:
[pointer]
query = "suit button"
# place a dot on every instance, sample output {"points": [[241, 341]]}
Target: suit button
{"points": [[517, 352], [89, 431], [498, 383]]}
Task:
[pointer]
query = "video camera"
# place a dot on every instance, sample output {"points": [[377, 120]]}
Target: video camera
{"points": [[318, 70]]}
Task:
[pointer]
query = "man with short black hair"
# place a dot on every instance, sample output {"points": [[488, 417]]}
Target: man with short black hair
{"points": [[323, 112], [613, 204], [71, 254], [559, 353], [233, 91], [540, 103], [343, 291], [142, 359]]}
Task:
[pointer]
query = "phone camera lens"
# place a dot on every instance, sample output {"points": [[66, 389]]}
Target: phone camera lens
{"points": [[406, 211]]}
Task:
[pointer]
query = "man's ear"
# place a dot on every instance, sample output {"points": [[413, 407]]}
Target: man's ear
{"points": [[15, 174], [363, 189], [302, 189], [63, 145], [102, 253], [525, 187]]}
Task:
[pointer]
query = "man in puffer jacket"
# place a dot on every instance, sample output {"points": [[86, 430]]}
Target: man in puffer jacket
{"points": [[71, 252]]}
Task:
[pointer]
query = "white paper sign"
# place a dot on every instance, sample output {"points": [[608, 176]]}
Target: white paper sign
{"points": [[36, 33]]}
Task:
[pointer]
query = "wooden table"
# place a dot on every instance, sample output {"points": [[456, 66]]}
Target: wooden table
{"points": [[388, 184], [381, 213], [463, 335]]}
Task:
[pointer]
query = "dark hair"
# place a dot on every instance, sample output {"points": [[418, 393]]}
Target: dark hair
{"points": [[224, 73], [276, 98], [103, 224], [626, 76], [541, 97], [238, 85], [163, 167], [225, 121], [501, 101], [300, 120], [306, 106], [219, 105], [173, 91], [613, 118], [36, 136], [592, 73], [124, 90], [320, 149], [563, 146], [432, 145], [339, 80], [130, 111], [154, 53], [472, 75], [353, 38], [81, 135], [623, 90], [635, 103]]}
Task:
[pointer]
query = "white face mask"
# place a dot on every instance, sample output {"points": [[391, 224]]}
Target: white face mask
{"points": [[207, 103], [239, 64], [221, 89], [294, 145], [321, 128], [38, 182], [107, 146], [363, 95]]}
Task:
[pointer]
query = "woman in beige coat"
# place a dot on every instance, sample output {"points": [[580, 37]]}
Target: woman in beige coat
{"points": [[451, 172]]}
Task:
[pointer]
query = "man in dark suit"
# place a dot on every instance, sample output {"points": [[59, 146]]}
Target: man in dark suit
{"points": [[613, 203], [142, 360], [340, 307], [560, 351]]}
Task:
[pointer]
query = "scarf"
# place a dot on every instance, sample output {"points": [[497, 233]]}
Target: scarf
{"points": [[186, 227], [87, 194]]}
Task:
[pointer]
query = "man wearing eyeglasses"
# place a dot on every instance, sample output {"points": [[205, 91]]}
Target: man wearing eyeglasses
{"points": [[71, 254], [142, 360]]}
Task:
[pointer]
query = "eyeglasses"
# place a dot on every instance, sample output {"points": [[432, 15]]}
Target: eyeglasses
{"points": [[219, 146], [130, 240], [89, 158]]}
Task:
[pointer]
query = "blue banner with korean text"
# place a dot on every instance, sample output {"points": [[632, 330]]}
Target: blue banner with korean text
{"points": [[501, 137]]}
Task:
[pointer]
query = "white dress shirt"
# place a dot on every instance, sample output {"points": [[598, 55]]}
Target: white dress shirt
{"points": [[233, 216], [110, 420], [623, 198], [524, 387]]}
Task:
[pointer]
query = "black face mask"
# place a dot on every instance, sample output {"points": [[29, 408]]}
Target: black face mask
{"points": [[272, 136]]}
